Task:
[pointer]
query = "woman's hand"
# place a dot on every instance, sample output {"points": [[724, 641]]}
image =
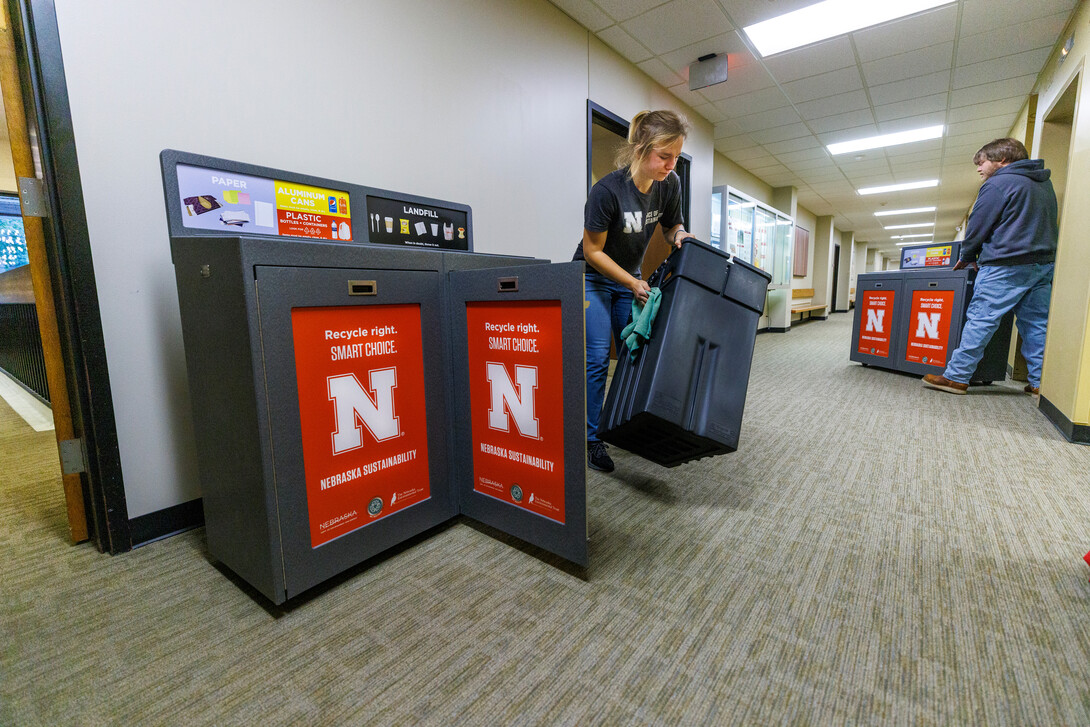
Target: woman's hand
{"points": [[677, 236], [640, 290]]}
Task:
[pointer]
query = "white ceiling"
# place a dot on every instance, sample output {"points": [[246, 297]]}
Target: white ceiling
{"points": [[969, 65]]}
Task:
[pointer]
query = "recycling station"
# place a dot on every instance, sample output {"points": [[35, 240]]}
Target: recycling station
{"points": [[910, 320]]}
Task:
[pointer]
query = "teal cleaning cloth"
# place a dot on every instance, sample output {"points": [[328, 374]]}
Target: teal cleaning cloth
{"points": [[638, 331]]}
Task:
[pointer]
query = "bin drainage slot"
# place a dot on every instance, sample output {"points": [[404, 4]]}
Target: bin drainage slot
{"points": [[507, 285], [362, 287]]}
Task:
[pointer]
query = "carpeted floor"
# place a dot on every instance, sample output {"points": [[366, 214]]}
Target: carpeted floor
{"points": [[874, 553]]}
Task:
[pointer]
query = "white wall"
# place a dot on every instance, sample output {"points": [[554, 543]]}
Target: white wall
{"points": [[476, 101]]}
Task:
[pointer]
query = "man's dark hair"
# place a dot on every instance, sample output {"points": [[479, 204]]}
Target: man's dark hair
{"points": [[1002, 150]]}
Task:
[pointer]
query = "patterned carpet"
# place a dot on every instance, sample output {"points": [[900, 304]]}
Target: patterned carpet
{"points": [[874, 553]]}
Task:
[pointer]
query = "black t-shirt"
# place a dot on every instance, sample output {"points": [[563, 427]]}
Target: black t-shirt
{"points": [[628, 216]]}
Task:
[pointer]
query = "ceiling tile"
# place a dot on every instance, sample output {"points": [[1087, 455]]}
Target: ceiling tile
{"points": [[727, 127], [659, 29], [922, 62], [985, 15], [767, 119], [998, 69], [1041, 33], [734, 143], [870, 180], [585, 13], [1013, 87], [693, 98], [910, 88], [983, 110], [744, 79], [851, 120], [755, 102], [812, 60], [991, 123], [935, 118], [931, 149], [866, 166], [780, 133], [624, 9], [912, 107], [807, 143], [803, 158], [729, 43], [711, 113], [825, 84], [835, 104], [815, 165], [657, 70], [902, 36], [617, 39], [748, 154], [847, 134], [820, 178]]}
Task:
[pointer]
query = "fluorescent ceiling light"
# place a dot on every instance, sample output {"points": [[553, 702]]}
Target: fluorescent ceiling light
{"points": [[912, 211], [828, 19], [905, 237], [874, 142], [914, 242], [899, 187], [905, 227]]}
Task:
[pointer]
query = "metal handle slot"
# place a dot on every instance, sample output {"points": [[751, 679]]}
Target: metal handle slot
{"points": [[879, 285], [932, 285], [362, 287], [507, 285]]}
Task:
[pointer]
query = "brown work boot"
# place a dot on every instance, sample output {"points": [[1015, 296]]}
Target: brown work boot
{"points": [[942, 383], [1032, 390]]}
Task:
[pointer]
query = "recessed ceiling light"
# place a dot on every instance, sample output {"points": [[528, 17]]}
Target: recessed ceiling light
{"points": [[905, 237], [874, 142], [905, 227], [900, 187], [914, 242], [828, 19], [912, 211]]}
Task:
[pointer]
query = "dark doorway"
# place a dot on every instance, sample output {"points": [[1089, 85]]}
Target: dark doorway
{"points": [[836, 275]]}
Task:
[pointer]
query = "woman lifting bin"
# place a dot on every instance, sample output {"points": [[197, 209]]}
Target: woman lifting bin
{"points": [[619, 219]]}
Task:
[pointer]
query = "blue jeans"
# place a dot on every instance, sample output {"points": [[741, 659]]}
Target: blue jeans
{"points": [[609, 306], [1025, 289]]}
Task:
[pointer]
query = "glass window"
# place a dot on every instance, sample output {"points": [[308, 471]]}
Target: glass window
{"points": [[740, 227], [717, 219], [763, 238]]}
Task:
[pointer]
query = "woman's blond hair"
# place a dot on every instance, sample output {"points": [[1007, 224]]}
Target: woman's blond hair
{"points": [[648, 131]]}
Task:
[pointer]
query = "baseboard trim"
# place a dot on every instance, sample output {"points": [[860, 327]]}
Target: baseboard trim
{"points": [[1074, 433], [164, 523], [773, 329]]}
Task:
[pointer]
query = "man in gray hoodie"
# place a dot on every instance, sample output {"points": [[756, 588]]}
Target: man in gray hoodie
{"points": [[1012, 234]]}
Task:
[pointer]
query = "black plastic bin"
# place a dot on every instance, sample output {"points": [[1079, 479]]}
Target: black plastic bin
{"points": [[682, 397]]}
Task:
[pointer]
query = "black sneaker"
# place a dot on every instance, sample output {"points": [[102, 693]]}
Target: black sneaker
{"points": [[597, 457]]}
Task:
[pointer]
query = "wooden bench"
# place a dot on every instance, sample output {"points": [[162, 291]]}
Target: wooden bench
{"points": [[806, 309]]}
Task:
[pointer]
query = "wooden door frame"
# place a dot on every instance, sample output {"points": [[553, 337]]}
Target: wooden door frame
{"points": [[68, 282]]}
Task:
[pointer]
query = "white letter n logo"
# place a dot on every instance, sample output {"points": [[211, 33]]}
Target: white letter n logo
{"points": [[354, 405], [633, 221], [929, 325], [874, 319], [505, 400]]}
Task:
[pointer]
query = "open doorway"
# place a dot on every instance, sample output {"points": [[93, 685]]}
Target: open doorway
{"points": [[1061, 362], [836, 275]]}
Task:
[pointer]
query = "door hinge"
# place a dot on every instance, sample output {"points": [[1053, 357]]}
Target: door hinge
{"points": [[73, 458], [32, 196]]}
